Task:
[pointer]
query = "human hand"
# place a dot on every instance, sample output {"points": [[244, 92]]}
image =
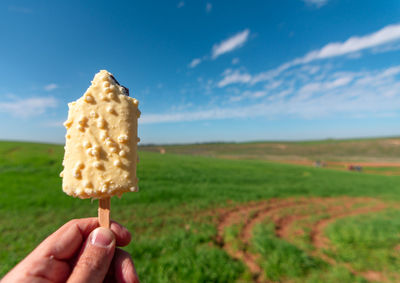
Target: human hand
{"points": [[79, 251]]}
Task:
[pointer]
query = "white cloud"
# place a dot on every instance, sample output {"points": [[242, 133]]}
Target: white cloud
{"points": [[280, 94], [310, 69], [301, 88], [216, 113], [386, 48], [312, 88], [50, 87], [344, 94], [316, 3], [195, 62], [235, 61], [227, 45], [181, 4], [230, 44], [231, 77], [208, 7], [339, 82], [354, 55], [392, 71], [375, 80], [27, 107], [354, 44], [273, 84], [249, 95], [270, 74]]}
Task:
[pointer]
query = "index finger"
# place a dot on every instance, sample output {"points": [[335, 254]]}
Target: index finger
{"points": [[67, 241]]}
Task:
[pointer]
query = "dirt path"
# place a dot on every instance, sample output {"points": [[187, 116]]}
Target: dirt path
{"points": [[285, 213], [283, 225], [321, 242], [245, 214], [250, 215]]}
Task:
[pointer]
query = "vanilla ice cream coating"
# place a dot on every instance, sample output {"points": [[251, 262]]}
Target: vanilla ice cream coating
{"points": [[101, 141]]}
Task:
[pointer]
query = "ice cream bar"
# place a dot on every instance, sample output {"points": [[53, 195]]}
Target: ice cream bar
{"points": [[101, 141]]}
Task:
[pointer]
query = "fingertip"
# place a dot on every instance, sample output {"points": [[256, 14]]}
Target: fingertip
{"points": [[122, 235], [124, 267], [102, 237]]}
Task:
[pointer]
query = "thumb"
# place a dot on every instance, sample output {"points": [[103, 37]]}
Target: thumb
{"points": [[95, 258]]}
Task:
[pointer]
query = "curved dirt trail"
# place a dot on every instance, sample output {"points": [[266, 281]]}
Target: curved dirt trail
{"points": [[318, 238], [235, 216], [321, 242], [272, 211], [245, 214], [285, 213]]}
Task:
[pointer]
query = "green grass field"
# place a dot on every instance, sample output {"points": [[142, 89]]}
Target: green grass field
{"points": [[190, 217], [354, 150]]}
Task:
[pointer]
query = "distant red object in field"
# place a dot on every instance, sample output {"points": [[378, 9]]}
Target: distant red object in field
{"points": [[357, 168]]}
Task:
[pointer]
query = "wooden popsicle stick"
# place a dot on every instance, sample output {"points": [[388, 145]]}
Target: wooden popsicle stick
{"points": [[104, 212]]}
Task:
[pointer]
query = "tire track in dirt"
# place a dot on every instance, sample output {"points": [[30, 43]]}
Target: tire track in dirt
{"points": [[321, 242], [250, 259], [256, 212], [246, 234], [235, 216], [318, 239], [284, 224], [245, 213]]}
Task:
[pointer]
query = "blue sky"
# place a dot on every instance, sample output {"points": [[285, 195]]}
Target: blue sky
{"points": [[206, 70]]}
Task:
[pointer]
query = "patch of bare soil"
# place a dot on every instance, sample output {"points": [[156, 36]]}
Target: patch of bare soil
{"points": [[285, 213], [395, 142]]}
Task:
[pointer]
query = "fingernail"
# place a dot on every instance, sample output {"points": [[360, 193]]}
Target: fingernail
{"points": [[102, 237]]}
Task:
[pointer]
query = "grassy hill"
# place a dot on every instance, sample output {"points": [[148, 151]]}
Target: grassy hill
{"points": [[177, 218], [356, 150]]}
